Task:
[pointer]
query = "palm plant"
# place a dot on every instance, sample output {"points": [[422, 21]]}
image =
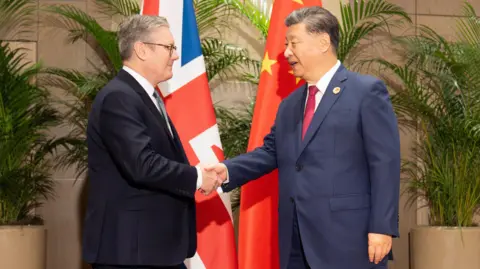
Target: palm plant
{"points": [[436, 92], [25, 116]]}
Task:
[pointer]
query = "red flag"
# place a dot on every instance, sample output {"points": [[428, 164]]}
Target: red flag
{"points": [[258, 230], [189, 105]]}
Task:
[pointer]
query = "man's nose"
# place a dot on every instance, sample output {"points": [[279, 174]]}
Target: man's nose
{"points": [[287, 53], [174, 55]]}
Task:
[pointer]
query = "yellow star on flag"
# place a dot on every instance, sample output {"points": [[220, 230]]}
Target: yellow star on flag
{"points": [[298, 1], [296, 79], [267, 64]]}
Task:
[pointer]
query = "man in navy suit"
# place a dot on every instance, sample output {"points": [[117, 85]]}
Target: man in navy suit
{"points": [[336, 145], [141, 196]]}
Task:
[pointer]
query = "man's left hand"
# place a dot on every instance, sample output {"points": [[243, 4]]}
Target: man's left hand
{"points": [[378, 246]]}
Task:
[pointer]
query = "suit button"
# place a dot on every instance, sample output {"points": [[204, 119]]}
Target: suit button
{"points": [[298, 167], [291, 200]]}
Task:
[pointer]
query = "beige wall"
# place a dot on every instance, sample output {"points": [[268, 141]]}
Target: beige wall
{"points": [[49, 46]]}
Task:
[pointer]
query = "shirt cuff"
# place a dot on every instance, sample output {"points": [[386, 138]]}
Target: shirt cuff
{"points": [[199, 177]]}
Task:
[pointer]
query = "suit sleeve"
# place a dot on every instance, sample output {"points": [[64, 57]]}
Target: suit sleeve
{"points": [[124, 133], [252, 165], [382, 146]]}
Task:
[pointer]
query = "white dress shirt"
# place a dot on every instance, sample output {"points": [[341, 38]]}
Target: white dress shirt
{"points": [[322, 84], [149, 89]]}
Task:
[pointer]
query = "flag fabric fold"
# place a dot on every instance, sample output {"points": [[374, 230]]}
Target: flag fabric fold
{"points": [[258, 225], [189, 105]]}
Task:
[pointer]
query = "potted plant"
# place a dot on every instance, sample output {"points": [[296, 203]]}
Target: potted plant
{"points": [[25, 179], [25, 116], [437, 94]]}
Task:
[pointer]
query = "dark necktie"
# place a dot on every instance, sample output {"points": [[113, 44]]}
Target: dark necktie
{"points": [[309, 109], [161, 105]]}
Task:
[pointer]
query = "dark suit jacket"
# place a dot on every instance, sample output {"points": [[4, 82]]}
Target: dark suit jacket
{"points": [[343, 178], [141, 207]]}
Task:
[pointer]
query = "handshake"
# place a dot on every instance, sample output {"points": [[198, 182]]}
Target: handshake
{"points": [[212, 177]]}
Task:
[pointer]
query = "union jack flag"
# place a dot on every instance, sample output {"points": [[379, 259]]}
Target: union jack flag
{"points": [[189, 105]]}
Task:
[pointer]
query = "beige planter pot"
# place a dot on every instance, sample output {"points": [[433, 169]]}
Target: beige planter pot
{"points": [[445, 248], [23, 247]]}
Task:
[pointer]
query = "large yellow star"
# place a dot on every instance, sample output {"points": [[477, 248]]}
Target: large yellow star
{"points": [[296, 79], [298, 1], [267, 64]]}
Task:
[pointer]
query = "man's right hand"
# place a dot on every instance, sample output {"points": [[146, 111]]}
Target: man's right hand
{"points": [[210, 181], [220, 169]]}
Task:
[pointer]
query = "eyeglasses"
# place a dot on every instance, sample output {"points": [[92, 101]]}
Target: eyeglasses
{"points": [[169, 47]]}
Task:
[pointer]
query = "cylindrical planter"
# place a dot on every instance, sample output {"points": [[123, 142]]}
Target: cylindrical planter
{"points": [[23, 247], [445, 247]]}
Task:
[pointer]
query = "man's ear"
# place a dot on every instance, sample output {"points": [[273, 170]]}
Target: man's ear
{"points": [[324, 42], [140, 49]]}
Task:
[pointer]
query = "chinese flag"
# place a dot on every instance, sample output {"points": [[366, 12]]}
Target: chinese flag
{"points": [[258, 228]]}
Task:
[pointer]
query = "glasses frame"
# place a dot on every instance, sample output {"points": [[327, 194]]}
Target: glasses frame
{"points": [[170, 47]]}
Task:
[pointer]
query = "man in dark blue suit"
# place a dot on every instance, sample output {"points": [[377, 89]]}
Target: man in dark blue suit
{"points": [[141, 196], [335, 143]]}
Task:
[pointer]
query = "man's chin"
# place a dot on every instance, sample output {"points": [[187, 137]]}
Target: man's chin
{"points": [[297, 73], [167, 77]]}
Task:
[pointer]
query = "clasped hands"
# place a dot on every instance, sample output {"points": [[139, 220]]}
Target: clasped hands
{"points": [[212, 177]]}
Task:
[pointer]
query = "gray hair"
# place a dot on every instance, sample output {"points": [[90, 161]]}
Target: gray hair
{"points": [[317, 20], [137, 28]]}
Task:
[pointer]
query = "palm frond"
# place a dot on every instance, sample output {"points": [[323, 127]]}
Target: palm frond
{"points": [[71, 150], [81, 85], [123, 8], [219, 14], [253, 15], [16, 17], [365, 18], [82, 26], [469, 27], [212, 15], [226, 60], [234, 129], [252, 77]]}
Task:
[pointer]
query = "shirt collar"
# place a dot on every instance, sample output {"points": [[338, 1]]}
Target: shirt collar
{"points": [[322, 84], [141, 80]]}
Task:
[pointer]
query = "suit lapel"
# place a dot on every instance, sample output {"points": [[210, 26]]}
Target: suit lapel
{"points": [[328, 99], [126, 77]]}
